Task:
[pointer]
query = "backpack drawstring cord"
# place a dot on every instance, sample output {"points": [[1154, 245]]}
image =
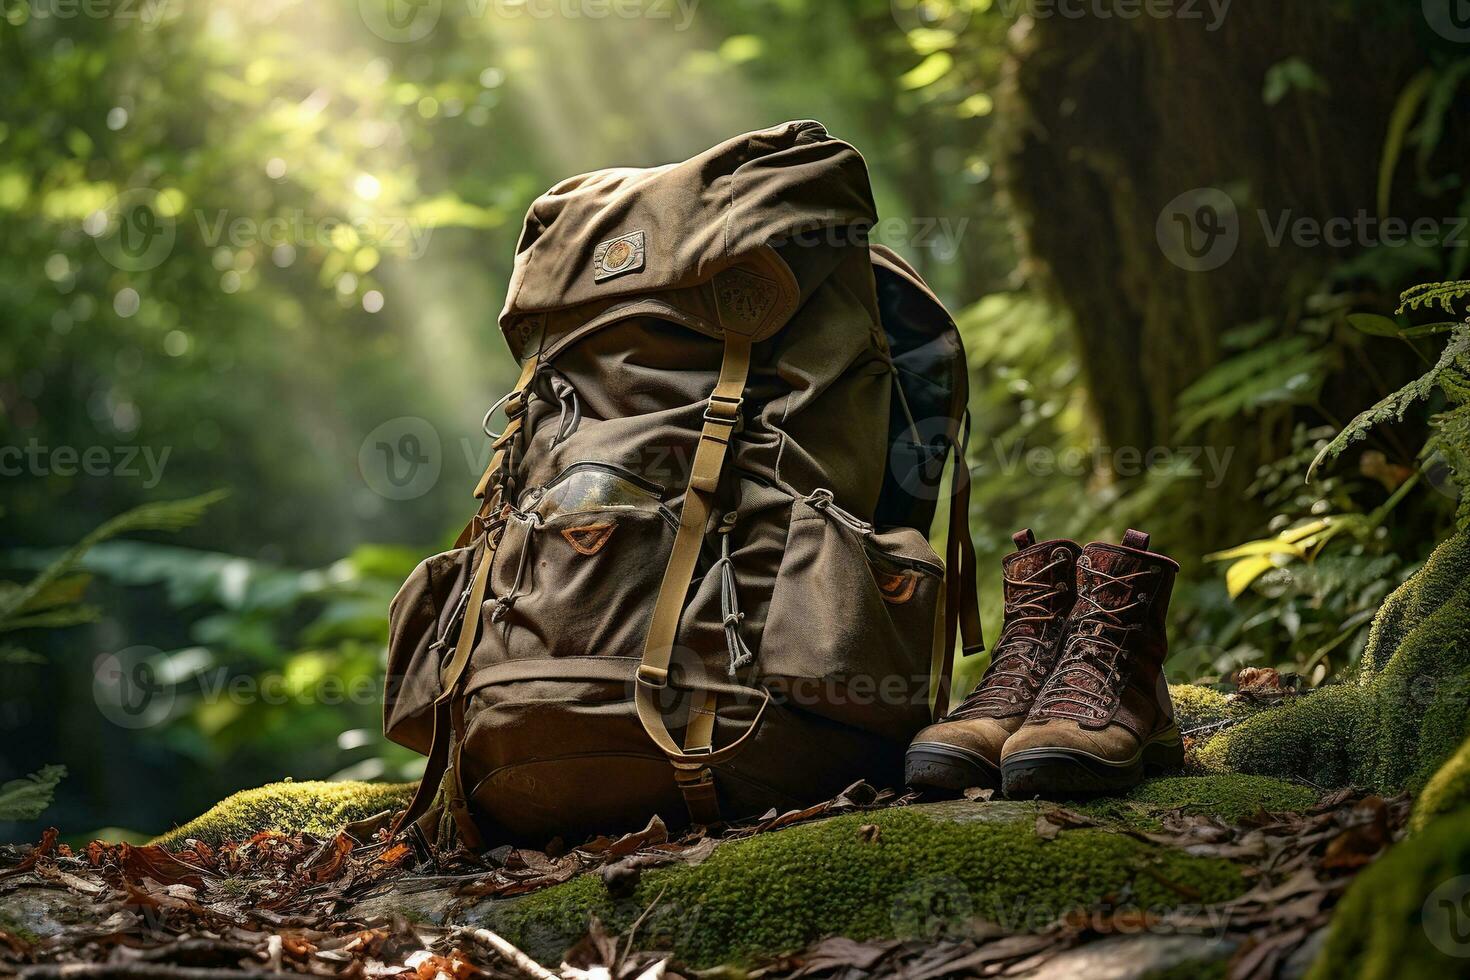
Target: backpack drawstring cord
{"points": [[731, 616]]}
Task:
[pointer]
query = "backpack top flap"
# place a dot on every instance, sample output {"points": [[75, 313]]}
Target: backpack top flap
{"points": [[606, 238]]}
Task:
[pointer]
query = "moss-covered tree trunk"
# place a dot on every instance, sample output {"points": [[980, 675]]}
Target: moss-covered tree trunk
{"points": [[1106, 121]]}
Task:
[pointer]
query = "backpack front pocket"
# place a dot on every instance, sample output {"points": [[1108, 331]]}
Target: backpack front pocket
{"points": [[420, 621], [853, 620], [579, 567]]}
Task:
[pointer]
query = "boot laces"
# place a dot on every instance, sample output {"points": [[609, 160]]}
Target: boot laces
{"points": [[1096, 650], [1015, 664]]}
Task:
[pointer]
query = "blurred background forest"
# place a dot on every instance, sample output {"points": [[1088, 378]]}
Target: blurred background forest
{"points": [[256, 251]]}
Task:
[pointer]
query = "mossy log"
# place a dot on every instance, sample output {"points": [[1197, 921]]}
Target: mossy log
{"points": [[1405, 916], [909, 871], [311, 807]]}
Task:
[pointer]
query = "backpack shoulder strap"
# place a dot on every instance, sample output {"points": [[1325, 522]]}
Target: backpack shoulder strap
{"points": [[691, 763]]}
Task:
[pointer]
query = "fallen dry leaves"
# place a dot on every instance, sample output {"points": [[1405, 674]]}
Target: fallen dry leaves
{"points": [[274, 905]]}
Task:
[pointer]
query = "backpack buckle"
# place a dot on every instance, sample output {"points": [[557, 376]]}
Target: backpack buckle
{"points": [[655, 677], [723, 410]]}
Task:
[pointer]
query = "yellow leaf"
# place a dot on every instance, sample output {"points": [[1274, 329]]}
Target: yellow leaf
{"points": [[1238, 577], [928, 71], [1262, 548]]}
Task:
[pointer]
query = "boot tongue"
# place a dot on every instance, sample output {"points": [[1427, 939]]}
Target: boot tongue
{"points": [[1109, 560], [1135, 539], [1024, 564]]}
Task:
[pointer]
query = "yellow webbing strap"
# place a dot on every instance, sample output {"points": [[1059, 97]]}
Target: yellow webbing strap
{"points": [[721, 415]]}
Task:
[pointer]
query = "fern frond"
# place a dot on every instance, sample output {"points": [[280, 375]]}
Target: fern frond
{"points": [[166, 516], [27, 798], [1442, 294], [1392, 407]]}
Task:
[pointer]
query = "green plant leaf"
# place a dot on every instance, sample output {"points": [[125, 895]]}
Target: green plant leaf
{"points": [[28, 798], [1392, 407], [928, 71], [1398, 129], [166, 516], [1374, 324]]}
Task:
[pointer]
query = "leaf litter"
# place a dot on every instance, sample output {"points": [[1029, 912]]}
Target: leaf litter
{"points": [[276, 906]]}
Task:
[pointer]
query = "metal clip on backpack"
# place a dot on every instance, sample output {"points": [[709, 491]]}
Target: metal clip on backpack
{"points": [[702, 537]]}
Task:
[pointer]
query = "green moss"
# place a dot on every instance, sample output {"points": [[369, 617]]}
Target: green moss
{"points": [[11, 927], [1195, 705], [777, 892], [1229, 796], [319, 808], [1405, 714], [1448, 789], [1315, 737], [1405, 915], [1419, 706]]}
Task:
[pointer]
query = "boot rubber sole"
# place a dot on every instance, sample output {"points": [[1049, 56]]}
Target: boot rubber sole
{"points": [[941, 766], [1060, 772]]}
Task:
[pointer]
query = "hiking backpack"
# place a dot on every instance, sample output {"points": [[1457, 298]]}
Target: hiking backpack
{"points": [[699, 582]]}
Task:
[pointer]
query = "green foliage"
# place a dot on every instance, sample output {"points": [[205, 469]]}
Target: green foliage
{"points": [[310, 807], [1447, 374], [285, 662], [28, 798], [1292, 74], [921, 876], [52, 599], [1402, 917], [1400, 719], [1303, 596]]}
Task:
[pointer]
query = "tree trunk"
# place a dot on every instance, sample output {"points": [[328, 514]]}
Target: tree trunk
{"points": [[1106, 121]]}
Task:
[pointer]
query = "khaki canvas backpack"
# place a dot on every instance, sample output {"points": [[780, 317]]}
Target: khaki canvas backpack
{"points": [[699, 582]]}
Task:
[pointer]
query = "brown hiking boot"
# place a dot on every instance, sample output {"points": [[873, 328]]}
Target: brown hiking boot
{"points": [[1104, 718], [963, 748]]}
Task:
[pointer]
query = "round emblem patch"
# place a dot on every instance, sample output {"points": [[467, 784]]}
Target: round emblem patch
{"points": [[618, 255]]}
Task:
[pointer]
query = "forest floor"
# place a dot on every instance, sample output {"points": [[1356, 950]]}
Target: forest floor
{"points": [[1208, 875]]}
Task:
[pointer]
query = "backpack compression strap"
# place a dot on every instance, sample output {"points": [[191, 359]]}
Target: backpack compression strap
{"points": [[692, 761]]}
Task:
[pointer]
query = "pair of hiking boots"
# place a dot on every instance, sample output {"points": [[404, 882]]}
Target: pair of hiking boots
{"points": [[1074, 701]]}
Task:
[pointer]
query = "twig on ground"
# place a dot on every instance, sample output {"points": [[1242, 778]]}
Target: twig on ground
{"points": [[521, 961], [633, 929]]}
